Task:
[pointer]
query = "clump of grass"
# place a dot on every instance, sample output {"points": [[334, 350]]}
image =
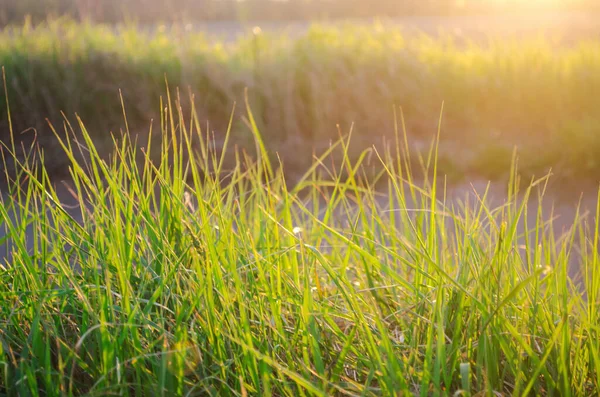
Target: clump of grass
{"points": [[302, 87], [234, 283]]}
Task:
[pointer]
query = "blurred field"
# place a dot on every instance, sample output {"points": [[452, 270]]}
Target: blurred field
{"points": [[189, 11], [570, 26], [178, 259], [537, 93]]}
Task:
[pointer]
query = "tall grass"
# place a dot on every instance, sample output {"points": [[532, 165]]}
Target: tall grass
{"points": [[188, 278], [532, 93]]}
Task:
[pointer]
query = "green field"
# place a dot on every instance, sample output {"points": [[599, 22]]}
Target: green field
{"points": [[235, 284], [538, 94], [195, 263]]}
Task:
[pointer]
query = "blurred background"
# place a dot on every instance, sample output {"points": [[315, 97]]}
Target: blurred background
{"points": [[153, 11], [512, 75]]}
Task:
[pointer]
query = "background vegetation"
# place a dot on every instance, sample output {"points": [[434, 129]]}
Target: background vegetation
{"points": [[155, 11], [535, 93]]}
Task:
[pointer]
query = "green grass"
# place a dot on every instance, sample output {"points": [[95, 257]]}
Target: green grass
{"points": [[537, 92], [234, 283]]}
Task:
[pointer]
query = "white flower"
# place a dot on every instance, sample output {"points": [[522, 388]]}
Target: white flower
{"points": [[398, 336]]}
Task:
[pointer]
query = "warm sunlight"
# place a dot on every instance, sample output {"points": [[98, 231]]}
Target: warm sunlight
{"points": [[522, 4], [308, 198]]}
